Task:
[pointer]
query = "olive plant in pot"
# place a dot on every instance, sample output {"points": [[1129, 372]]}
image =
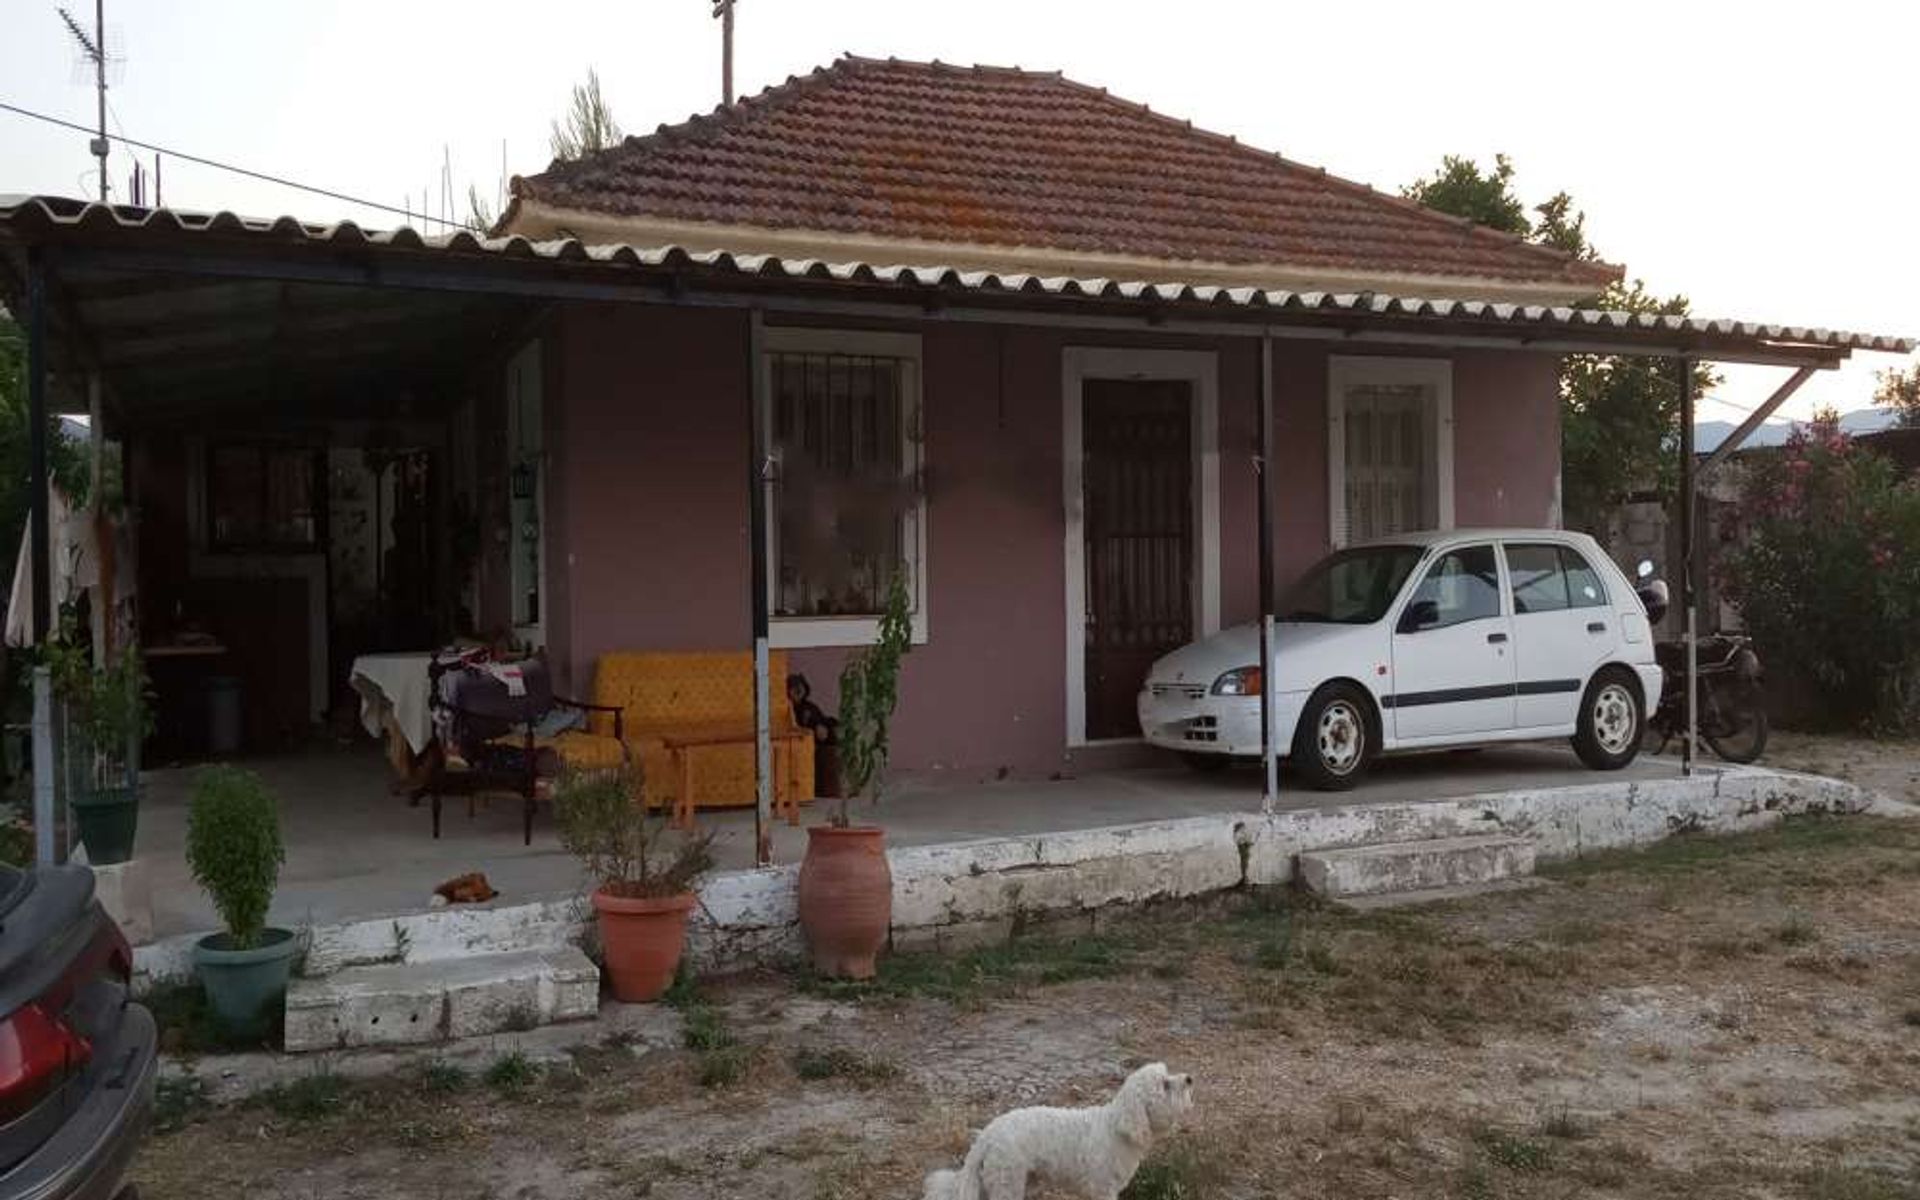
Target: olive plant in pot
{"points": [[235, 853], [107, 717], [643, 876], [846, 887]]}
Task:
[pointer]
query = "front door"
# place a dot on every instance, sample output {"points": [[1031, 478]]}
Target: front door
{"points": [[1453, 663], [1138, 485]]}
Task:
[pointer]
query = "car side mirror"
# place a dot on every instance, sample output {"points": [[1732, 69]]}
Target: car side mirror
{"points": [[1421, 614]]}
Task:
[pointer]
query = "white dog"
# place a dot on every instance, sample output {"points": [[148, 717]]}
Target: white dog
{"points": [[1094, 1151]]}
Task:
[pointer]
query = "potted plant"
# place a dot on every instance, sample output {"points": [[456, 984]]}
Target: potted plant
{"points": [[235, 852], [846, 887], [107, 717], [643, 887]]}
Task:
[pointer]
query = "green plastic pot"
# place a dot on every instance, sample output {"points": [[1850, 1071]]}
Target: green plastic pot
{"points": [[107, 819], [246, 989]]}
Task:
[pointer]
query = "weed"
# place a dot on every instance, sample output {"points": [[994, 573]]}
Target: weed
{"points": [[1796, 930], [841, 1063], [440, 1076], [1852, 1183], [971, 978], [1179, 1171], [179, 1101], [309, 1098], [187, 1024], [1349, 1116], [511, 1073], [1562, 1124], [724, 1066], [1511, 1151]]}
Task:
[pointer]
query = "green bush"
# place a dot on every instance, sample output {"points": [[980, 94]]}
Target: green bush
{"points": [[234, 848], [604, 821], [1827, 576]]}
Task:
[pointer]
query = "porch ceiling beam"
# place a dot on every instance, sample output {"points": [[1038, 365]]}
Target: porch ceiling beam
{"points": [[1755, 419], [633, 288], [290, 326]]}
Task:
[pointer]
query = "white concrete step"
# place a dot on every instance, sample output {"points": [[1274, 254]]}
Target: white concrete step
{"points": [[1415, 866], [441, 1000]]}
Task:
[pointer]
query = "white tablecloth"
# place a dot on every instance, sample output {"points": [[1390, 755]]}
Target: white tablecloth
{"points": [[395, 684]]}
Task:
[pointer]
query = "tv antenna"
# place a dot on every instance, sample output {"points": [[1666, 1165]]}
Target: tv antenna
{"points": [[97, 58], [723, 9]]}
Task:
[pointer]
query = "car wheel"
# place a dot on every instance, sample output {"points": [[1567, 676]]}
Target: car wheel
{"points": [[1336, 739], [1206, 764], [1612, 721]]}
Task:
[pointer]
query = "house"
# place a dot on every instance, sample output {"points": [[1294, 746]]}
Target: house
{"points": [[1036, 346]]}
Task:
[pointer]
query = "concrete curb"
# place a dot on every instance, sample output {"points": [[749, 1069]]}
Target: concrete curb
{"points": [[965, 891]]}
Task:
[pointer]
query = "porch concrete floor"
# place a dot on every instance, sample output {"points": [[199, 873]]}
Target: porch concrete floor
{"points": [[355, 851]]}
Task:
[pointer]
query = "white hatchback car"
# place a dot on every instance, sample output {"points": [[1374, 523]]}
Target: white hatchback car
{"points": [[1423, 641]]}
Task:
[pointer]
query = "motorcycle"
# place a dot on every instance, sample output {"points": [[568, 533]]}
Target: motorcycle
{"points": [[1732, 712]]}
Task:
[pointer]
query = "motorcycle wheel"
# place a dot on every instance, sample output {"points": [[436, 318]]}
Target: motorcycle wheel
{"points": [[1747, 739]]}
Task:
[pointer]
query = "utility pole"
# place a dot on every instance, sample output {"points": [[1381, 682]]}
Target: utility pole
{"points": [[724, 10]]}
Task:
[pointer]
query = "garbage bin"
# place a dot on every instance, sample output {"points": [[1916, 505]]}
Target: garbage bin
{"points": [[223, 714]]}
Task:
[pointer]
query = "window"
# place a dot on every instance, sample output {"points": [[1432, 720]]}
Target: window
{"points": [[262, 498], [848, 510], [1538, 580], [1552, 578], [1462, 585], [1389, 447], [1352, 587], [1584, 589]]}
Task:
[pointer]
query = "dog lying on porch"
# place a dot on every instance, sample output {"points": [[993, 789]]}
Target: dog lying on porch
{"points": [[1093, 1151]]}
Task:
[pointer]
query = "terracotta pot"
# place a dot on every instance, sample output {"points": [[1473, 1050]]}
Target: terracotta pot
{"points": [[846, 899], [641, 941]]}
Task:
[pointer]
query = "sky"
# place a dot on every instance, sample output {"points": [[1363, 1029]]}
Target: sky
{"points": [[1756, 160]]}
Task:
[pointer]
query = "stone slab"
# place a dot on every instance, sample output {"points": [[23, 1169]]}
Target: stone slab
{"points": [[440, 1000], [1449, 862]]}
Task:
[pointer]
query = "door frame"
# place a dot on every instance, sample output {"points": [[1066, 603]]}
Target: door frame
{"points": [[1201, 370]]}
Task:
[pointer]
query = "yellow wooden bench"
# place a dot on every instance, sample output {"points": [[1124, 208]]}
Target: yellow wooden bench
{"points": [[687, 719]]}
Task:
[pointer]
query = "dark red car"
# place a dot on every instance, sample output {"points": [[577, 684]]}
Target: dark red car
{"points": [[77, 1055]]}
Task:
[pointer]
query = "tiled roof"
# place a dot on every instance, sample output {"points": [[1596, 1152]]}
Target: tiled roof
{"points": [[1005, 157]]}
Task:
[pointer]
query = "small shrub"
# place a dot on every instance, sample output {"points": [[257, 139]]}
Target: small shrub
{"points": [[605, 822], [841, 1063], [179, 1101], [440, 1076], [234, 848], [1562, 1124], [1796, 930], [309, 1098], [724, 1066], [1513, 1152], [1175, 1171], [511, 1073]]}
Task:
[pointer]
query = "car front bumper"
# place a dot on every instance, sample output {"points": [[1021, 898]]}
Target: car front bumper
{"points": [[1174, 717], [86, 1158]]}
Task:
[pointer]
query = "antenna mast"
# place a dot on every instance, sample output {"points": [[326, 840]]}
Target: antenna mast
{"points": [[724, 10], [95, 49]]}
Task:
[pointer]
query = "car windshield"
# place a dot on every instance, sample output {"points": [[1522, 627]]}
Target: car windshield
{"points": [[1351, 587]]}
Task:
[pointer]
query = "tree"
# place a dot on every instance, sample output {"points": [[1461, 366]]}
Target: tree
{"points": [[588, 127], [1619, 416], [66, 458], [1900, 391], [1461, 188]]}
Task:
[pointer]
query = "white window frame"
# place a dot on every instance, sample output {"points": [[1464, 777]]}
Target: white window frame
{"points": [[800, 633], [1346, 371], [1201, 370]]}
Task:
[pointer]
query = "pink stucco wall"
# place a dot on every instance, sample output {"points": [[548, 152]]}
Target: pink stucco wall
{"points": [[648, 425]]}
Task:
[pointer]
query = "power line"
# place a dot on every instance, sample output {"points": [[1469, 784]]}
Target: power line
{"points": [[251, 174]]}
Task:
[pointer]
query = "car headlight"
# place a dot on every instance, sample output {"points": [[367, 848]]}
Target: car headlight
{"points": [[1241, 681]]}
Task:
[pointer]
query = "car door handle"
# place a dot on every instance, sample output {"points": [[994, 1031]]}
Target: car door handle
{"points": [[1596, 626], [1494, 639]]}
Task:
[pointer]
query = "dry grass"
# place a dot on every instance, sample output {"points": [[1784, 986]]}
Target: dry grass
{"points": [[1715, 1018]]}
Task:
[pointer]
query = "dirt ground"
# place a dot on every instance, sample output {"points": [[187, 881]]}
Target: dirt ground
{"points": [[1714, 1017]]}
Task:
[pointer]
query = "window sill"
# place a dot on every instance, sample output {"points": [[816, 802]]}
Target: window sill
{"points": [[808, 633]]}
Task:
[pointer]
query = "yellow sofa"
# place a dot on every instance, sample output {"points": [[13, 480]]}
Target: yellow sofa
{"points": [[687, 719]]}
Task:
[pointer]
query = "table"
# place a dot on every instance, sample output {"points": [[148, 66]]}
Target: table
{"points": [[784, 802], [394, 692]]}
